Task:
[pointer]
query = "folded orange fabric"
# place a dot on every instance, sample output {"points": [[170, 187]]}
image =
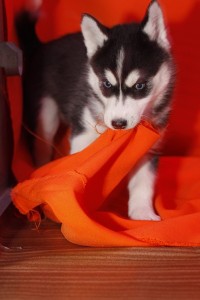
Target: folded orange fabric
{"points": [[79, 191]]}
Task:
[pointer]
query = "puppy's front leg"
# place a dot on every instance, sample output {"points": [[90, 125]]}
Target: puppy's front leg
{"points": [[141, 192]]}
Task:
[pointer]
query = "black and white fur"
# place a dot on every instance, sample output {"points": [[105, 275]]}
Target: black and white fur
{"points": [[100, 78]]}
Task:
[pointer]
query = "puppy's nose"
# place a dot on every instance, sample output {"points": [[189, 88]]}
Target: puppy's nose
{"points": [[119, 123]]}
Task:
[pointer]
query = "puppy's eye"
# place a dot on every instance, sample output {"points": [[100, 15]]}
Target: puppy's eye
{"points": [[140, 86], [107, 84]]}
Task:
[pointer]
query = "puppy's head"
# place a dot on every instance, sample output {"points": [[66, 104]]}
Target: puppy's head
{"points": [[130, 69]]}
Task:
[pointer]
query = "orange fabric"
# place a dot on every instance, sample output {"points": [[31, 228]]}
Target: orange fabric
{"points": [[76, 191], [73, 189], [178, 195]]}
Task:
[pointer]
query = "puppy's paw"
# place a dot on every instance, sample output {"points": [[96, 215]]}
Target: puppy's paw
{"points": [[143, 213]]}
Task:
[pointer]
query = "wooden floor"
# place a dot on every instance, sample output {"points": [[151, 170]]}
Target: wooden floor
{"points": [[41, 264]]}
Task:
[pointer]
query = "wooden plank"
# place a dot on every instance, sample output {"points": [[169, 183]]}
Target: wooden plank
{"points": [[41, 264]]}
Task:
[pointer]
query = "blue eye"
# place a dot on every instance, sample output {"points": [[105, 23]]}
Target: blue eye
{"points": [[140, 86], [107, 84]]}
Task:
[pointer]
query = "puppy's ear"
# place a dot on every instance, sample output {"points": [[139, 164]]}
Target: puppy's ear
{"points": [[94, 33], [154, 26]]}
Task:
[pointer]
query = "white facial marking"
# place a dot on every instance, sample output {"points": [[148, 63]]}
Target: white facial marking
{"points": [[155, 26], [115, 108], [130, 110], [120, 61], [110, 77], [132, 78], [133, 110], [93, 36]]}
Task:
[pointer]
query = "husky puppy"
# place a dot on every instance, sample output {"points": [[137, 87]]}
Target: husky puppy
{"points": [[111, 77]]}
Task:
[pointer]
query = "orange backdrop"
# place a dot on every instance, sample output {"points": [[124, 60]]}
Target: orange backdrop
{"points": [[183, 18]]}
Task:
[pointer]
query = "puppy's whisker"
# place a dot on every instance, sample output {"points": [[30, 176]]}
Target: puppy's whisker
{"points": [[145, 118], [43, 140], [90, 124]]}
